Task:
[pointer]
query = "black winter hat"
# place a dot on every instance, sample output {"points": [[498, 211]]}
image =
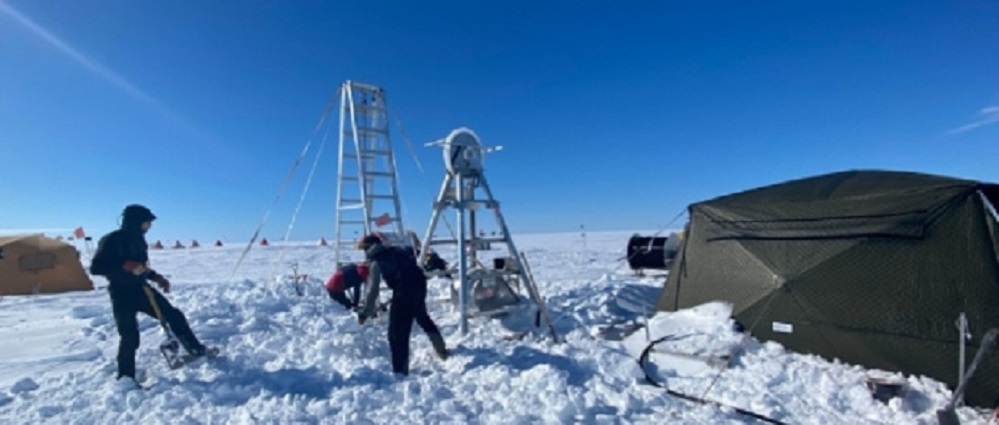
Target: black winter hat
{"points": [[368, 241], [136, 213]]}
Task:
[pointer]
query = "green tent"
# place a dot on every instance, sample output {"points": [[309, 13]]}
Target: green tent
{"points": [[870, 267]]}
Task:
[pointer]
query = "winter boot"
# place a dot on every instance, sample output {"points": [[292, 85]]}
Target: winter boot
{"points": [[439, 347], [125, 383]]}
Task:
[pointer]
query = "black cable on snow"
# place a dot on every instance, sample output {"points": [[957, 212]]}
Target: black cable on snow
{"points": [[643, 359]]}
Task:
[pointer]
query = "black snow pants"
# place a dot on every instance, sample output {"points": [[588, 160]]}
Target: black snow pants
{"points": [[408, 304], [129, 298], [341, 297]]}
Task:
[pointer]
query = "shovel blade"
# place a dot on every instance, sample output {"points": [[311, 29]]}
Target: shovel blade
{"points": [[171, 352], [948, 417]]}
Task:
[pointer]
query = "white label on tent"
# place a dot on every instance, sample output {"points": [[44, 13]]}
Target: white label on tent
{"points": [[783, 327]]}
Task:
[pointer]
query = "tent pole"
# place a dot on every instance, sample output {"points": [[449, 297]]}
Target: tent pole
{"points": [[462, 255], [962, 326]]}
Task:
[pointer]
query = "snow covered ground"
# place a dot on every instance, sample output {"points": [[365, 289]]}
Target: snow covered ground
{"points": [[303, 359]]}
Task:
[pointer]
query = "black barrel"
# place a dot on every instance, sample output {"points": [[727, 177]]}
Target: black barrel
{"points": [[652, 252]]}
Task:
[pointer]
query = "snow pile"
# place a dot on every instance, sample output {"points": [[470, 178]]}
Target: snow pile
{"points": [[303, 359]]}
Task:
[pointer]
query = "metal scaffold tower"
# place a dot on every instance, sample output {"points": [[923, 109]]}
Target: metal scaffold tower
{"points": [[367, 191], [492, 290]]}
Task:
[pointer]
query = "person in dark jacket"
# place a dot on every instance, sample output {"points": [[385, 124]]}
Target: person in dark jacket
{"points": [[349, 277], [402, 274], [122, 257]]}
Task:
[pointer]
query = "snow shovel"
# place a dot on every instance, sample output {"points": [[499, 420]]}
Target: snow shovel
{"points": [[948, 416], [170, 349]]}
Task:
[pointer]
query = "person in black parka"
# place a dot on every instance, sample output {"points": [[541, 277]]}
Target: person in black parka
{"points": [[398, 267], [122, 257]]}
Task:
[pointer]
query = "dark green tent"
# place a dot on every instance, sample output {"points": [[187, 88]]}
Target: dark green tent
{"points": [[870, 267]]}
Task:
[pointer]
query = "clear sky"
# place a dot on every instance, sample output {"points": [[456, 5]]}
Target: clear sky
{"points": [[613, 115]]}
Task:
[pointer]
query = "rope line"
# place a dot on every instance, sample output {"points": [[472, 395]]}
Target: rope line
{"points": [[301, 200], [284, 186]]}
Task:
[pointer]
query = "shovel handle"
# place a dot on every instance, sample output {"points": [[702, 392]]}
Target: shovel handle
{"points": [[156, 309], [987, 341], [152, 301]]}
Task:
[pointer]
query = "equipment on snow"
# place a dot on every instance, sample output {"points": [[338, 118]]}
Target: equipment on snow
{"points": [[947, 416], [542, 309], [358, 312], [170, 349], [463, 188], [643, 359], [617, 330], [186, 359]]}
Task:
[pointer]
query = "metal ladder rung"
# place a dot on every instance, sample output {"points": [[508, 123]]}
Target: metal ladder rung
{"points": [[354, 202], [470, 203], [355, 85], [364, 142], [355, 178], [476, 240], [366, 130], [364, 155], [355, 206], [368, 108], [490, 240]]}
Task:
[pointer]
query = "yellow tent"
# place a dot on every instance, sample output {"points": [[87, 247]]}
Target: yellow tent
{"points": [[35, 264]]}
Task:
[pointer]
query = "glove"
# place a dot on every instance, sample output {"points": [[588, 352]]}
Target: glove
{"points": [[135, 268], [162, 282]]}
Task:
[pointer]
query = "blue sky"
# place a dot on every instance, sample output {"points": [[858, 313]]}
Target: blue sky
{"points": [[613, 115]]}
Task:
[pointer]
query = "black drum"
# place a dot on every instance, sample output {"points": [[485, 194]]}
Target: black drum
{"points": [[652, 252]]}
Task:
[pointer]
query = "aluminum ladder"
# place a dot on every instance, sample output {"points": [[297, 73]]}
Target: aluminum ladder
{"points": [[367, 189]]}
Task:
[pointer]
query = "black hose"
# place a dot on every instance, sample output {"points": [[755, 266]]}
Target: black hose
{"points": [[644, 358]]}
